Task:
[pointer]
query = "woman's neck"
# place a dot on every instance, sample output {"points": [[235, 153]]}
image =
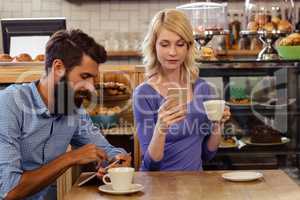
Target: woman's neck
{"points": [[172, 78]]}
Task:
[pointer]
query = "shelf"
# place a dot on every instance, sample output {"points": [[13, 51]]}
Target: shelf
{"points": [[116, 97], [238, 53], [256, 106], [112, 54]]}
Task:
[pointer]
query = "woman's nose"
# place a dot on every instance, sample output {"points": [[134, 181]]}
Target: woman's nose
{"points": [[172, 51]]}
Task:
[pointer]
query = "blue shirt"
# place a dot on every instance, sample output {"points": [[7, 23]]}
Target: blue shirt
{"points": [[31, 137], [186, 141]]}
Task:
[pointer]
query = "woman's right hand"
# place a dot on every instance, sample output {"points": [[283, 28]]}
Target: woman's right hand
{"points": [[170, 113]]}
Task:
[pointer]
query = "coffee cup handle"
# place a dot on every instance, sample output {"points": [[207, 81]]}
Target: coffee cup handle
{"points": [[104, 179]]}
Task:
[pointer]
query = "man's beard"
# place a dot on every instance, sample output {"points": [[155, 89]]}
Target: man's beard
{"points": [[66, 99]]}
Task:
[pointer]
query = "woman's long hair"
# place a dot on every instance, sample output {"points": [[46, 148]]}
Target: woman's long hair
{"points": [[177, 22]]}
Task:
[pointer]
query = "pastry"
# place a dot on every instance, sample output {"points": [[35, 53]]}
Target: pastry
{"points": [[265, 134], [110, 77], [240, 101], [112, 92], [261, 19], [110, 112], [40, 58], [5, 58], [23, 57], [122, 78], [207, 53], [252, 26], [269, 27], [228, 140], [101, 110], [291, 40], [284, 26], [295, 37], [275, 20]]}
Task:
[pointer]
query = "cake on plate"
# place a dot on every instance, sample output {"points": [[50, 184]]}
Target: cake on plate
{"points": [[265, 134]]}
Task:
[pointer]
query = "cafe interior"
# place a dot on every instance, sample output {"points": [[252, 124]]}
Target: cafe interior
{"points": [[248, 51]]}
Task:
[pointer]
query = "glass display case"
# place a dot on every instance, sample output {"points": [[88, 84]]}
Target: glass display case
{"points": [[207, 18], [263, 99], [269, 15], [268, 20]]}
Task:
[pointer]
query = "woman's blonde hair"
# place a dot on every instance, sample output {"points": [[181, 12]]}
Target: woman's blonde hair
{"points": [[175, 21]]}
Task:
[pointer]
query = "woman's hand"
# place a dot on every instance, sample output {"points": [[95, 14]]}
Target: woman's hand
{"points": [[170, 113], [226, 115], [217, 127]]}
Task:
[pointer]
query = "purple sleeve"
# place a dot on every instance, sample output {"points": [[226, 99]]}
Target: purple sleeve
{"points": [[145, 115], [207, 93], [207, 155]]}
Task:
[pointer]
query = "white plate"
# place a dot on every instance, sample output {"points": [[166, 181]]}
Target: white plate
{"points": [[242, 176], [284, 140], [108, 189]]}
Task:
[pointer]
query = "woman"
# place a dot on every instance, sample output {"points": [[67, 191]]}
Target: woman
{"points": [[173, 136]]}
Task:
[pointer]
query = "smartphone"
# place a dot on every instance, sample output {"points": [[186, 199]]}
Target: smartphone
{"points": [[91, 178], [179, 94]]}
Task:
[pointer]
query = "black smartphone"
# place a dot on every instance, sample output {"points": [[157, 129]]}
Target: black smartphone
{"points": [[90, 178]]}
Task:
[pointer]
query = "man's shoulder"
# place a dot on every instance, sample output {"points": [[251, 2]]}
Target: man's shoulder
{"points": [[16, 93]]}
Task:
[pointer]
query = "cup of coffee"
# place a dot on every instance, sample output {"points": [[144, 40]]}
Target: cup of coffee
{"points": [[120, 178], [214, 109]]}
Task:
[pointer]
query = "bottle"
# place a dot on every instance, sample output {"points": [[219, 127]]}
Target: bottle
{"points": [[279, 15], [228, 36], [234, 28], [244, 42], [287, 15]]}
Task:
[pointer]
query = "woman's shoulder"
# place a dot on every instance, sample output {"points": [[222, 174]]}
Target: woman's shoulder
{"points": [[200, 81], [144, 88], [202, 86], [144, 94]]}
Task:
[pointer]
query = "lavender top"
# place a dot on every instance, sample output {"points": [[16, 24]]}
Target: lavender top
{"points": [[186, 141]]}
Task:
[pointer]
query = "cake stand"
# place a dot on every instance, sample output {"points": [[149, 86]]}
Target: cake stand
{"points": [[203, 38], [268, 38]]}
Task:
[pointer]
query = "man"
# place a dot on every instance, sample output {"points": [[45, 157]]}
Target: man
{"points": [[39, 120]]}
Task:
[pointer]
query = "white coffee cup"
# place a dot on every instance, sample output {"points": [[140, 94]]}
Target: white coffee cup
{"points": [[120, 178], [214, 109]]}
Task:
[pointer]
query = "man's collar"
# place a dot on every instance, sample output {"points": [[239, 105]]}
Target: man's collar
{"points": [[41, 108]]}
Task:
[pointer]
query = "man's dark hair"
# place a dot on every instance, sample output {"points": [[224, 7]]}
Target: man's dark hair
{"points": [[70, 46]]}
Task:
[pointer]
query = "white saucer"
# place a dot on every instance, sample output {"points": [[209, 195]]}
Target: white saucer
{"points": [[108, 189], [242, 176]]}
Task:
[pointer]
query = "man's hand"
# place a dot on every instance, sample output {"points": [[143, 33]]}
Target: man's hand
{"points": [[87, 154], [33, 181], [125, 161], [125, 158]]}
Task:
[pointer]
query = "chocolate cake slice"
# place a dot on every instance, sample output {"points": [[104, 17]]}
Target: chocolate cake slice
{"points": [[265, 134]]}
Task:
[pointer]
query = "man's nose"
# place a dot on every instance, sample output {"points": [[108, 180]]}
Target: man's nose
{"points": [[89, 85]]}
